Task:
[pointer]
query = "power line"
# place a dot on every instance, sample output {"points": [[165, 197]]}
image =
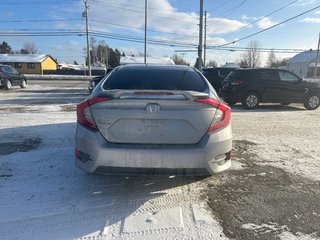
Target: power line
{"points": [[219, 6], [94, 20], [244, 50], [266, 29], [112, 3], [41, 20], [258, 20], [232, 10], [261, 50], [173, 17], [270, 49], [37, 2], [97, 34], [150, 39], [41, 30], [149, 30]]}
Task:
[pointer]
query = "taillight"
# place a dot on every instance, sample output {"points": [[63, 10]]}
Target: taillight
{"points": [[84, 115], [237, 82], [221, 117]]}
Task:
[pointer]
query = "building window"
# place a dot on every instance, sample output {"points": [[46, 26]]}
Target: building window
{"points": [[18, 65], [31, 65]]}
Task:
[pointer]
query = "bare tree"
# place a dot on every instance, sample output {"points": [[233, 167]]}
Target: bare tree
{"points": [[212, 63], [93, 51], [179, 60], [272, 59], [275, 62], [100, 53], [29, 48], [251, 58], [280, 63]]}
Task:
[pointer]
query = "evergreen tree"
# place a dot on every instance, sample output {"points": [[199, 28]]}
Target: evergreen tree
{"points": [[5, 48]]}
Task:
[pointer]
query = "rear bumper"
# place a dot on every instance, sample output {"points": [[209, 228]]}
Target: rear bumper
{"points": [[208, 156]]}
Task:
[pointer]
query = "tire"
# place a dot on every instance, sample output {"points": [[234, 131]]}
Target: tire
{"points": [[23, 84], [312, 102], [8, 85], [251, 100]]}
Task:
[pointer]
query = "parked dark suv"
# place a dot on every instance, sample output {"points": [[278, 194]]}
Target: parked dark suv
{"points": [[11, 77], [252, 86], [216, 75], [93, 82]]}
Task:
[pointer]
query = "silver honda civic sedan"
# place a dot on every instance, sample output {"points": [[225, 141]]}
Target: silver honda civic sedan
{"points": [[150, 119]]}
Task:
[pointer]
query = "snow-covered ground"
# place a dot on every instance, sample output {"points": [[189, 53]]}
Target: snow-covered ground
{"points": [[44, 196], [285, 137]]}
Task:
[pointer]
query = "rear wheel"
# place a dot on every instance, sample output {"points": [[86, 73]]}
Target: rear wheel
{"points": [[8, 85], [23, 84], [251, 100], [312, 102]]}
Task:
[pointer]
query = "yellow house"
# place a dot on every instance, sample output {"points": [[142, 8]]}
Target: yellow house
{"points": [[29, 63]]}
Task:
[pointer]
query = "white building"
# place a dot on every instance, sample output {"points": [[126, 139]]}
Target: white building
{"points": [[230, 65], [303, 63], [150, 60]]}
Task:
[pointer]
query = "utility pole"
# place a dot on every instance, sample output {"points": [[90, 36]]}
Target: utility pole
{"points": [[145, 30], [205, 39], [317, 59], [85, 14], [199, 59]]}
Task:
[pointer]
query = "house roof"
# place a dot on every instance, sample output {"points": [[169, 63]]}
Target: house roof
{"points": [[150, 60], [79, 67], [304, 57], [23, 58]]}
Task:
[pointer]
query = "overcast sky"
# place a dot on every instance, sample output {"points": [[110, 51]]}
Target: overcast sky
{"points": [[173, 24]]}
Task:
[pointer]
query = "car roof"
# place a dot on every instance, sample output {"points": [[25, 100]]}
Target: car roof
{"points": [[258, 69]]}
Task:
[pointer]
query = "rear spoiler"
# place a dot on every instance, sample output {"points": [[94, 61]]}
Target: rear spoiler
{"points": [[153, 94]]}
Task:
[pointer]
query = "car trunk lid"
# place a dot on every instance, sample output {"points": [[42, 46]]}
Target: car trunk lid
{"points": [[153, 117]]}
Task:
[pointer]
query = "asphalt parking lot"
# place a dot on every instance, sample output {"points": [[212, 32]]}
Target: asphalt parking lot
{"points": [[271, 192]]}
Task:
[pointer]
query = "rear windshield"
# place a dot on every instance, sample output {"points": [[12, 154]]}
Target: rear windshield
{"points": [[210, 71], [155, 79], [235, 75], [225, 71]]}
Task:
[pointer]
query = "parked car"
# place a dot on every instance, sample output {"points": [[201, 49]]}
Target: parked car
{"points": [[11, 77], [267, 85], [93, 82], [145, 119], [216, 75]]}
